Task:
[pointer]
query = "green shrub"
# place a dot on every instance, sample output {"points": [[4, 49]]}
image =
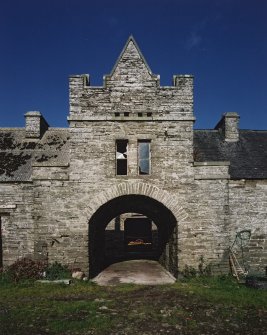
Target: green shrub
{"points": [[204, 270], [189, 271], [57, 271]]}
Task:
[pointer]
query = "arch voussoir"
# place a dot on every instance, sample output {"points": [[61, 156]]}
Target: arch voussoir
{"points": [[155, 193], [141, 188]]}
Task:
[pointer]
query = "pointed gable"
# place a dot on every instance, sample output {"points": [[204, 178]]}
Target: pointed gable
{"points": [[131, 69]]}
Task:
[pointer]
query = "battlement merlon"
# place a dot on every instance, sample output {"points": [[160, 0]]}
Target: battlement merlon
{"points": [[183, 81], [79, 81]]}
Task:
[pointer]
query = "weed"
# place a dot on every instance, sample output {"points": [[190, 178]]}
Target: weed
{"points": [[204, 270], [57, 271], [189, 271]]}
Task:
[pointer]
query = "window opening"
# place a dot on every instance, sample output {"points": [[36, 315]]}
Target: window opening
{"points": [[121, 157], [144, 157], [126, 113]]}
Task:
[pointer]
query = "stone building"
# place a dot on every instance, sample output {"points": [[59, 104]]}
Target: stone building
{"points": [[130, 154]]}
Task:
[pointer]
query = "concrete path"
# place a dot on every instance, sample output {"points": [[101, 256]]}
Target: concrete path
{"points": [[144, 272]]}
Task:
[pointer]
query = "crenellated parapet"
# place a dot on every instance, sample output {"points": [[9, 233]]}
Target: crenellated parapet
{"points": [[131, 92]]}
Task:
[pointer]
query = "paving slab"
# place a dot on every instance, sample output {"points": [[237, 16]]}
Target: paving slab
{"points": [[143, 272]]}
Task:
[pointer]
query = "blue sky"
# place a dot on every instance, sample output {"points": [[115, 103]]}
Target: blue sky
{"points": [[223, 43]]}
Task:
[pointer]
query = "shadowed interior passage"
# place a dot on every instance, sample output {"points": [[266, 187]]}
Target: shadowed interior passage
{"points": [[146, 210]]}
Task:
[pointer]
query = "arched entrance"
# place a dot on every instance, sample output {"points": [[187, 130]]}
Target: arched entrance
{"points": [[151, 210]]}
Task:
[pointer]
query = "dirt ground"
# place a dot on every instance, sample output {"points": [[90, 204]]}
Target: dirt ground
{"points": [[153, 311]]}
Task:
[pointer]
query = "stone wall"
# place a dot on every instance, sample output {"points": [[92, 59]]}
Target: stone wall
{"points": [[203, 235], [16, 204], [247, 211], [49, 216]]}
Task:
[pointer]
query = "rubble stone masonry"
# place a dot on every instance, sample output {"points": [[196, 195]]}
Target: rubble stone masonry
{"points": [[47, 211]]}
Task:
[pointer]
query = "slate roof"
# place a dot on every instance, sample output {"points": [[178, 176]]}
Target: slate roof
{"points": [[18, 154], [248, 156], [53, 148]]}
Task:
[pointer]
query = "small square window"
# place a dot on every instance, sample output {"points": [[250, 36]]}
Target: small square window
{"points": [[126, 113], [117, 114], [140, 114], [149, 114]]}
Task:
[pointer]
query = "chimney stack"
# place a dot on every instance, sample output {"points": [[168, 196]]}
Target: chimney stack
{"points": [[35, 124], [229, 125]]}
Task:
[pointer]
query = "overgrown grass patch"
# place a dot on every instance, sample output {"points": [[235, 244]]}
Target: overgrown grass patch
{"points": [[78, 316], [224, 290], [54, 308], [197, 305]]}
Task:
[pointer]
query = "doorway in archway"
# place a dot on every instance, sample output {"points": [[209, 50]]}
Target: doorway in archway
{"points": [[132, 227], [130, 236]]}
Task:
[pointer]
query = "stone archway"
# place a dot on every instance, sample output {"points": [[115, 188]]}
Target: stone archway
{"points": [[159, 206], [169, 200]]}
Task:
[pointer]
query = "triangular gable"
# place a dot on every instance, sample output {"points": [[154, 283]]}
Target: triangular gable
{"points": [[131, 51], [131, 67]]}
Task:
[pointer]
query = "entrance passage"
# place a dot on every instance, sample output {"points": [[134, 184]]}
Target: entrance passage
{"points": [[130, 236], [131, 227]]}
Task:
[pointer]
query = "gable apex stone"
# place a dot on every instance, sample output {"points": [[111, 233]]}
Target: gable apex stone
{"points": [[131, 68], [130, 46]]}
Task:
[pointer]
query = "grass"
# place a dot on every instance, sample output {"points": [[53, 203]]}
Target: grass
{"points": [[224, 290], [199, 305], [55, 308]]}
